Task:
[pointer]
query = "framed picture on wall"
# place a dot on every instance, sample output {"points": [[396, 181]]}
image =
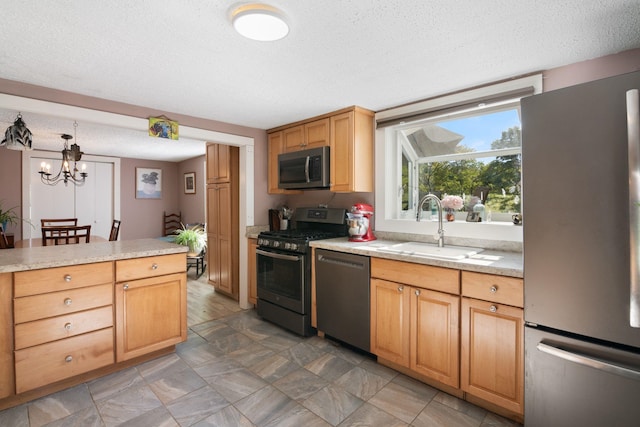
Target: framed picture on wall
{"points": [[148, 183], [190, 183]]}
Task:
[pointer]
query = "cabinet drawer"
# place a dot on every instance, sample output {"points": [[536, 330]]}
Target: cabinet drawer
{"points": [[138, 268], [59, 278], [423, 276], [60, 327], [62, 359], [490, 287], [37, 307]]}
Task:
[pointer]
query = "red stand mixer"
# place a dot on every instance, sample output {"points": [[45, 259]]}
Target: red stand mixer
{"points": [[359, 223]]}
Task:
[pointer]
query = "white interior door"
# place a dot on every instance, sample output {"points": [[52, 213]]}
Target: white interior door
{"points": [[92, 203], [94, 200]]}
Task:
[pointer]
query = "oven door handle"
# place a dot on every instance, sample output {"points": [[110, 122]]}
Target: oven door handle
{"points": [[278, 256]]}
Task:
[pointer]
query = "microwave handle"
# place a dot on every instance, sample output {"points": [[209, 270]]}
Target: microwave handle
{"points": [[306, 168]]}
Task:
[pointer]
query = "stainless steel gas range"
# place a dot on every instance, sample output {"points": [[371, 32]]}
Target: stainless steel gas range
{"points": [[283, 261]]}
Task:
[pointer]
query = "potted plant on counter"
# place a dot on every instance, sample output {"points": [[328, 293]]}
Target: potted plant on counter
{"points": [[194, 237], [8, 216]]}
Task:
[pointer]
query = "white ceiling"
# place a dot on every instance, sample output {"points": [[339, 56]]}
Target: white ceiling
{"points": [[184, 56]]}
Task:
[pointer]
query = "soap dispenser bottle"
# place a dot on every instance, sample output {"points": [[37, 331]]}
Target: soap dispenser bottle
{"points": [[479, 208]]}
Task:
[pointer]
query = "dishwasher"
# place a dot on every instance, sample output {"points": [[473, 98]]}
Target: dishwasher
{"points": [[342, 297]]}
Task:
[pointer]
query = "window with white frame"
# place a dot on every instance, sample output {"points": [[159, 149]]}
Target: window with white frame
{"points": [[466, 145], [474, 156]]}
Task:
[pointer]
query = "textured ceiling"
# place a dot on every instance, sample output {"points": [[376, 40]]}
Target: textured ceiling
{"points": [[184, 57]]}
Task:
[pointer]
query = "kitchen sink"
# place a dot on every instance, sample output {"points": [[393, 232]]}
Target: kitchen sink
{"points": [[428, 250]]}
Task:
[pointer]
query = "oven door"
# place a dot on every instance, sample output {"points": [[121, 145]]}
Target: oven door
{"points": [[282, 279]]}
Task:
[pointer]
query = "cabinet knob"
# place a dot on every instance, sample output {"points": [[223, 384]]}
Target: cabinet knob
{"points": [[493, 309], [68, 359], [154, 266], [417, 291], [67, 326], [67, 277], [400, 288], [493, 289], [125, 286], [67, 301]]}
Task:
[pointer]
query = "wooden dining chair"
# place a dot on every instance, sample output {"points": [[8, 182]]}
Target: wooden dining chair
{"points": [[4, 243], [171, 222], [65, 235], [115, 229]]}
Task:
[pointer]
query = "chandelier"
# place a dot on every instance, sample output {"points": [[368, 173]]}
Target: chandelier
{"points": [[67, 173]]}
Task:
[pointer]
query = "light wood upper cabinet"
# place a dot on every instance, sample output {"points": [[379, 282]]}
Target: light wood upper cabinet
{"points": [[308, 135], [492, 340], [352, 151], [349, 133], [276, 147], [218, 158]]}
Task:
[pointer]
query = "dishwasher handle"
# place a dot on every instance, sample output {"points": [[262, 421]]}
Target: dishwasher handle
{"points": [[341, 262]]}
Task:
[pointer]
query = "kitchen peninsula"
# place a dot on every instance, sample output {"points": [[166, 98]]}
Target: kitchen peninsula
{"points": [[76, 312]]}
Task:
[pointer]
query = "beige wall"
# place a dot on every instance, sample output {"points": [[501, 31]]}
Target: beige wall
{"points": [[134, 211], [142, 218]]}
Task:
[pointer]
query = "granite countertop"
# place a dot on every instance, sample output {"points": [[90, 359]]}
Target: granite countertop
{"points": [[488, 261], [22, 259]]}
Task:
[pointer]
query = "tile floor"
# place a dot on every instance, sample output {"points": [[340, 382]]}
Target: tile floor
{"points": [[237, 370]]}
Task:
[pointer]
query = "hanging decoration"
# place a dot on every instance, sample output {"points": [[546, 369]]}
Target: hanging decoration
{"points": [[17, 136], [162, 127]]}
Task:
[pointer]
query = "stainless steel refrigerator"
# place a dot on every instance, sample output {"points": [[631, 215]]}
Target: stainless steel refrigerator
{"points": [[581, 199]]}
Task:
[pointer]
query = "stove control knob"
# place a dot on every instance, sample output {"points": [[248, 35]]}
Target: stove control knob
{"points": [[287, 245], [276, 244], [294, 247]]}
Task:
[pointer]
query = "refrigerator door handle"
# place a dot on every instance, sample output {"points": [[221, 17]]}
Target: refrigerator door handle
{"points": [[633, 140], [589, 360]]}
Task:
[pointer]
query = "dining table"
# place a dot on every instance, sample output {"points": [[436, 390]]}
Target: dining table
{"points": [[37, 241]]}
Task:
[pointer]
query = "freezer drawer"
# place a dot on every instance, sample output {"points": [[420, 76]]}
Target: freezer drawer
{"points": [[576, 383]]}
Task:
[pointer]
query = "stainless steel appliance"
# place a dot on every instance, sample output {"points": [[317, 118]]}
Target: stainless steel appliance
{"points": [[284, 267], [304, 169], [342, 297], [581, 200]]}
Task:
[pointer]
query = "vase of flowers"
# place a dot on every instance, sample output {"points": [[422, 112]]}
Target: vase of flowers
{"points": [[451, 204]]}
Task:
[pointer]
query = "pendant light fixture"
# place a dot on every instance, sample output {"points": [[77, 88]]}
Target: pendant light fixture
{"points": [[67, 172], [17, 136], [259, 22]]}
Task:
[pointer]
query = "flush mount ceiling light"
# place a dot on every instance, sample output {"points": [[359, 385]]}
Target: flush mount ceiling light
{"points": [[259, 22]]}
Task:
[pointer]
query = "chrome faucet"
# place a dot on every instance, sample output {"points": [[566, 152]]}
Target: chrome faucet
{"points": [[439, 206]]}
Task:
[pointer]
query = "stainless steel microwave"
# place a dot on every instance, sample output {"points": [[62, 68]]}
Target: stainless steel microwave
{"points": [[304, 169]]}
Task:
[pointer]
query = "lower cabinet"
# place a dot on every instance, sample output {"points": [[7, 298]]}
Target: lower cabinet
{"points": [[492, 341], [62, 359], [413, 326], [462, 329], [252, 245], [6, 336], [63, 323], [151, 312]]}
